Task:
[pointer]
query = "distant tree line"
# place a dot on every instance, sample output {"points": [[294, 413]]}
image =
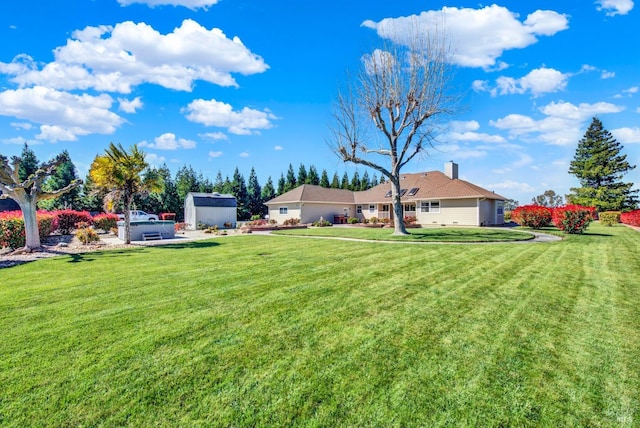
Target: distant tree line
{"points": [[251, 195]]}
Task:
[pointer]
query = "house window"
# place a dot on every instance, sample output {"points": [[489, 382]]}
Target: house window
{"points": [[359, 209], [430, 206], [385, 208], [372, 208], [500, 208], [409, 207], [284, 210]]}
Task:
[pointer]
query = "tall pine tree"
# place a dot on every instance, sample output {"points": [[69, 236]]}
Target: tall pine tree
{"points": [[324, 179], [599, 167], [254, 195], [312, 177], [268, 192]]}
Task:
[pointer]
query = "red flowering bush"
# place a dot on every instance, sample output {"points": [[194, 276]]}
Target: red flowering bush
{"points": [[573, 218], [105, 221], [67, 220], [12, 233], [631, 218], [533, 216]]}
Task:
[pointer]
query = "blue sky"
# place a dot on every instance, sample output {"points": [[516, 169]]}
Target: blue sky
{"points": [[220, 84]]}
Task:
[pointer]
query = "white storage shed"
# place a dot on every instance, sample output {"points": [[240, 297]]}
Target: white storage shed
{"points": [[211, 209]]}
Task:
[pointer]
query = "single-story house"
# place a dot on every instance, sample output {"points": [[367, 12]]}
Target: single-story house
{"points": [[211, 209], [434, 198]]}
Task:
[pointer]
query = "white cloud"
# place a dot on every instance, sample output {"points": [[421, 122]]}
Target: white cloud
{"points": [[215, 113], [244, 154], [191, 4], [537, 82], [278, 148], [154, 159], [130, 106], [22, 125], [214, 136], [168, 141], [480, 36], [564, 123], [627, 135], [511, 185], [615, 7], [20, 141], [632, 90], [115, 59], [466, 132], [215, 154], [607, 74], [63, 116]]}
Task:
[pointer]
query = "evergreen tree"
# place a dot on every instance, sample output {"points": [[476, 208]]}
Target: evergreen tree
{"points": [[268, 192], [169, 199], [382, 180], [186, 181], [218, 185], [227, 186], [302, 175], [364, 182], [91, 197], [355, 181], [65, 174], [312, 177], [324, 179], [599, 167], [204, 184], [28, 163], [374, 181], [239, 190], [282, 184], [254, 195], [335, 181], [291, 179], [344, 184]]}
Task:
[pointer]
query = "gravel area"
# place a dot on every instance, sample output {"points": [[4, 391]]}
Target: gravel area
{"points": [[66, 244]]}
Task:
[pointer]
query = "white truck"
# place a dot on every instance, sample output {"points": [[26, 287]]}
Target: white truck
{"points": [[137, 215]]}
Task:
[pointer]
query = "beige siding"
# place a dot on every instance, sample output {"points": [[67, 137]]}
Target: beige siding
{"points": [[312, 212], [461, 212], [489, 213], [293, 211]]}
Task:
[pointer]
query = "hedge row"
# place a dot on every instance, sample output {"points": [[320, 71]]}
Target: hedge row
{"points": [[568, 218], [631, 218], [12, 234]]}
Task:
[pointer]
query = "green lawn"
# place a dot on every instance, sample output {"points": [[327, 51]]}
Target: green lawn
{"points": [[430, 234], [283, 331]]}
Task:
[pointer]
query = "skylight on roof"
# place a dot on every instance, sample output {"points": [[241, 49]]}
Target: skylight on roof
{"points": [[413, 191], [388, 195], [402, 192]]}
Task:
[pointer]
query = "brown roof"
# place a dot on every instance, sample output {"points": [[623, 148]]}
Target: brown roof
{"points": [[313, 193], [429, 185]]}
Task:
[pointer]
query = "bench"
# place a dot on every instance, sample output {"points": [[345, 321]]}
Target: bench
{"points": [[150, 236]]}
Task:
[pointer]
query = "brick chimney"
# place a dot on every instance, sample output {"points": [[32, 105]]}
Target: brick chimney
{"points": [[451, 170]]}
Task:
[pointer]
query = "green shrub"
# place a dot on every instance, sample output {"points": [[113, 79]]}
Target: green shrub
{"points": [[256, 217], [374, 220], [86, 234], [322, 223], [353, 220], [609, 218]]}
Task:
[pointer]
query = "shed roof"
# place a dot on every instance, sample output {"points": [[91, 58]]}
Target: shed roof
{"points": [[213, 200]]}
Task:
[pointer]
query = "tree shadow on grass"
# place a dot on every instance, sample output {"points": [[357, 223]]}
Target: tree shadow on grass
{"points": [[191, 244]]}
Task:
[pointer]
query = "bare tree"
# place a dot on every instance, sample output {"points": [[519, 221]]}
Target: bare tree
{"points": [[390, 111], [28, 192]]}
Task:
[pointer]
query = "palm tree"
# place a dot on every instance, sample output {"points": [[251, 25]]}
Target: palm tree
{"points": [[124, 174]]}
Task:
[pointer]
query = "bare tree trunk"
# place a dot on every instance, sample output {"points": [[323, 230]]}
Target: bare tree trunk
{"points": [[29, 210], [127, 219], [398, 221]]}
